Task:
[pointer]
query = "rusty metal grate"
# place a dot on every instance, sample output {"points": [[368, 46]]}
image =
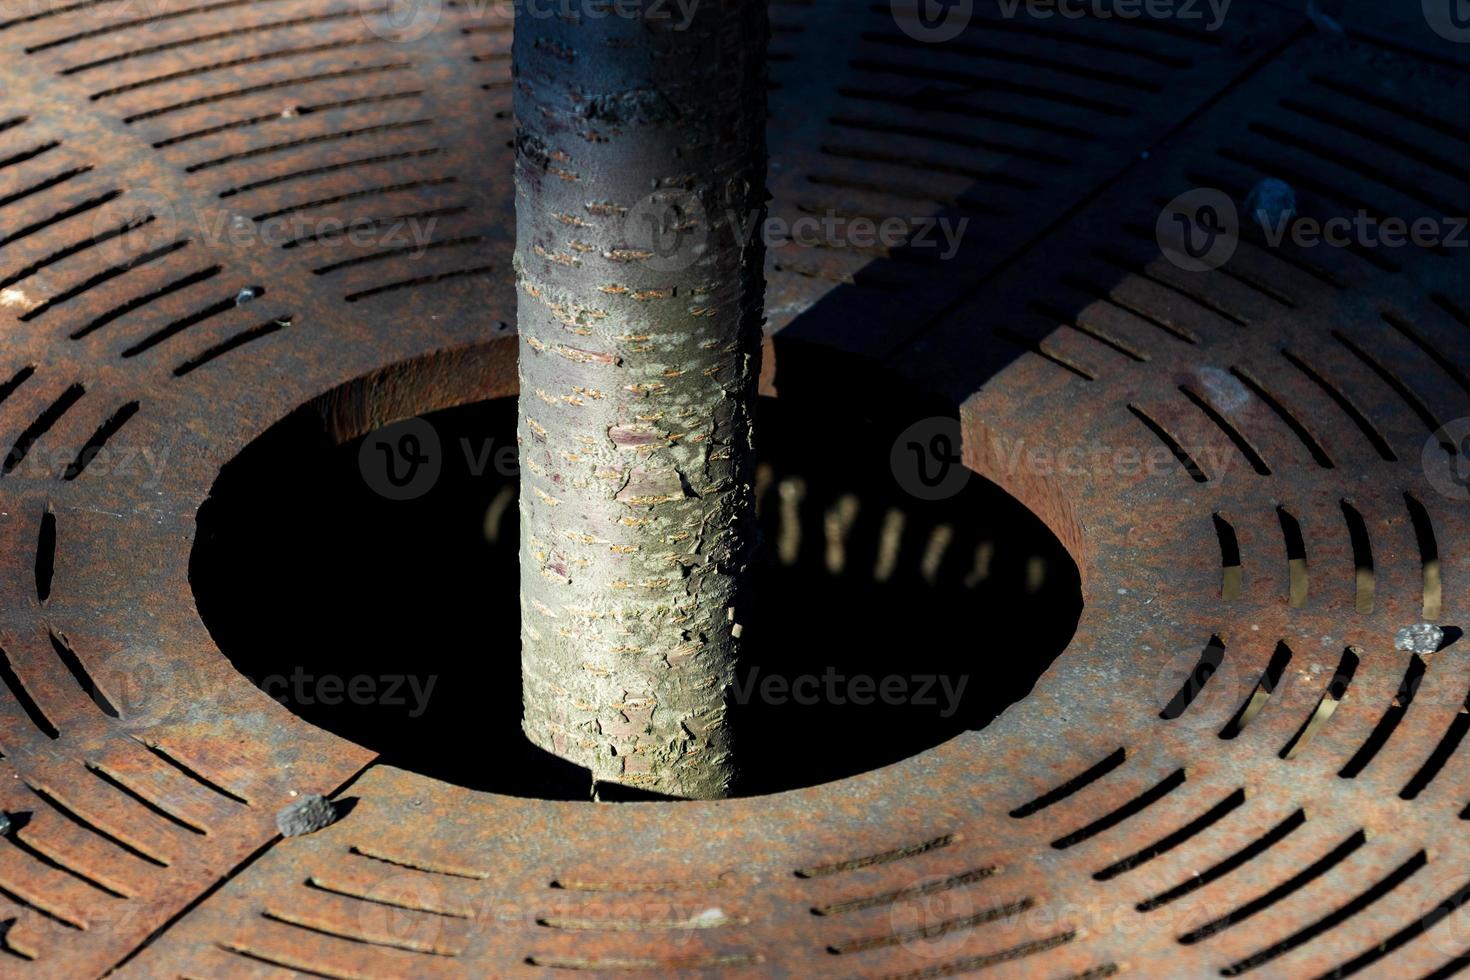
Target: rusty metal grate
{"points": [[1230, 770]]}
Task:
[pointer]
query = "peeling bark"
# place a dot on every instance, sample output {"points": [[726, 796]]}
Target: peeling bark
{"points": [[640, 165]]}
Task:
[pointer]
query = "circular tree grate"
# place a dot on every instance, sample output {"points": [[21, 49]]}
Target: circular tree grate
{"points": [[1258, 470]]}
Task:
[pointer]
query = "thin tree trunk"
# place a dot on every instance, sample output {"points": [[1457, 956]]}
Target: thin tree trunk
{"points": [[640, 166]]}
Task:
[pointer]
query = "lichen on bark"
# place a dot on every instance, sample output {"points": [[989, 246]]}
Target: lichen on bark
{"points": [[640, 175]]}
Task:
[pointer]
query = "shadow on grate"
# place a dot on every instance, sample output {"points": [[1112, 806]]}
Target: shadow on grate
{"points": [[886, 623]]}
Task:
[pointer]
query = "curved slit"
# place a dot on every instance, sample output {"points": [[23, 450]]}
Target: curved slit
{"points": [[355, 195], [1363, 577], [1289, 418], [1456, 373], [76, 248], [411, 250], [298, 922], [30, 154], [198, 777], [1185, 460], [82, 208], [1380, 444], [943, 136], [1296, 558], [1383, 731], [50, 800], [218, 36], [39, 15], [19, 378], [143, 801], [41, 910], [703, 962], [420, 281], [180, 325], [1407, 934], [318, 884], [138, 302], [882, 857], [1231, 573], [36, 854], [988, 83], [1031, 346], [1293, 884], [1428, 556], [1449, 306], [137, 22], [104, 276], [354, 42], [992, 914], [46, 555], [1453, 736], [1256, 703], [417, 864], [1072, 786], [1104, 295], [265, 87], [44, 185], [74, 666], [1167, 843], [890, 898], [372, 224], [327, 169], [935, 102], [304, 110], [992, 53], [1219, 870], [98, 440], [1132, 808], [1210, 660], [317, 140], [1415, 403], [225, 346], [41, 426], [1326, 706], [23, 698], [1142, 271], [1397, 877], [1231, 432]]}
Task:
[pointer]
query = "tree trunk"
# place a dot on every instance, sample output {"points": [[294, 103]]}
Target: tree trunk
{"points": [[640, 191]]}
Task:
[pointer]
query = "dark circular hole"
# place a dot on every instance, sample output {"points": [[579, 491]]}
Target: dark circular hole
{"points": [[884, 624]]}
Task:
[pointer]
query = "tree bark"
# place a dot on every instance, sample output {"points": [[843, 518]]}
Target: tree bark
{"points": [[640, 190]]}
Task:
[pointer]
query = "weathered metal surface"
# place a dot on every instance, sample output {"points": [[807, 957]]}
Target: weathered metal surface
{"points": [[1120, 818]]}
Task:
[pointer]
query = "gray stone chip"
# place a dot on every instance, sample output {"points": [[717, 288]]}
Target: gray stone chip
{"points": [[306, 815], [1421, 638]]}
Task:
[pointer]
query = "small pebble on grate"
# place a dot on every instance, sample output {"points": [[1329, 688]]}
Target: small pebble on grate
{"points": [[306, 816], [1271, 202], [1421, 638]]}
